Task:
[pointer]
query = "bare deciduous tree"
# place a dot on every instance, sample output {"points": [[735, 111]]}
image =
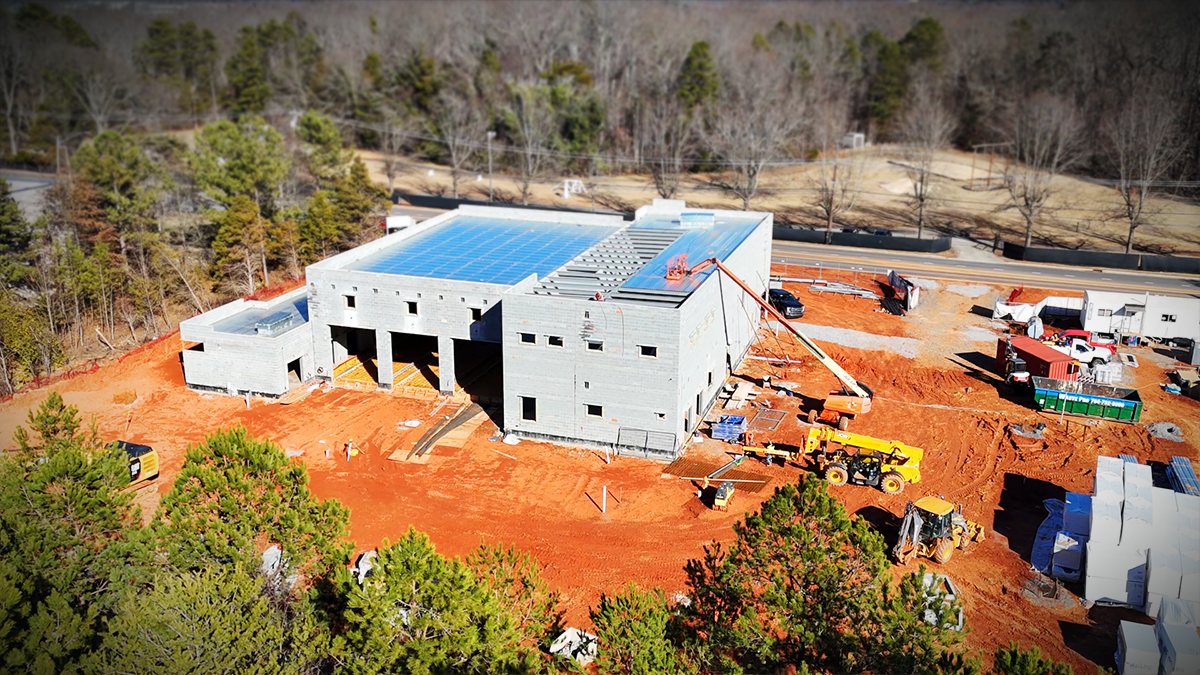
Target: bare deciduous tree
{"points": [[460, 127], [758, 117], [14, 67], [837, 180], [1043, 133], [100, 94], [925, 127], [533, 121], [1143, 147], [668, 129], [392, 138]]}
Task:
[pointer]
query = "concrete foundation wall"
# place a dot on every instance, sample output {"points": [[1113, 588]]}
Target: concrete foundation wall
{"points": [[632, 390], [247, 363]]}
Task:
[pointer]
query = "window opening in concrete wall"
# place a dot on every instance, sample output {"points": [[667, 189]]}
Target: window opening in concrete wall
{"points": [[660, 416], [440, 298], [462, 299], [1104, 312], [554, 340], [354, 288], [412, 307], [476, 314], [1169, 318], [650, 352], [529, 408], [587, 315], [349, 301], [595, 346], [587, 385], [699, 404], [594, 410], [374, 290], [710, 378], [528, 339]]}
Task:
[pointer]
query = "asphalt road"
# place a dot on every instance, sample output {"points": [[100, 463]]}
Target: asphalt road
{"points": [[1000, 272]]}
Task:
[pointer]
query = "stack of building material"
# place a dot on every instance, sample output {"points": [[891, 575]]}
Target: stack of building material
{"points": [[1077, 513], [1188, 520], [1116, 571], [1179, 649], [1108, 494], [1137, 513], [1067, 561], [1164, 574], [1137, 650]]}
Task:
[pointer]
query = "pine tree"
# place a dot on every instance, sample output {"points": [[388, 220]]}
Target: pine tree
{"points": [[327, 159], [358, 202], [235, 492], [513, 578], [246, 72], [215, 620], [633, 629], [804, 585], [128, 180], [244, 158], [698, 82], [74, 533], [15, 237], [320, 229], [1012, 660], [418, 612]]}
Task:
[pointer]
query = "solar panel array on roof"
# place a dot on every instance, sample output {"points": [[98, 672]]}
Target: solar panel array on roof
{"points": [[485, 250], [718, 241], [246, 321]]}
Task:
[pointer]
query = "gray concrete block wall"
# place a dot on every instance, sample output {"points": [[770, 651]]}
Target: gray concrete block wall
{"points": [[633, 391], [250, 363], [719, 322], [381, 304]]}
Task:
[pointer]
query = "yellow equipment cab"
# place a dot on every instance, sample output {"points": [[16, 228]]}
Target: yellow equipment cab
{"points": [[143, 461]]}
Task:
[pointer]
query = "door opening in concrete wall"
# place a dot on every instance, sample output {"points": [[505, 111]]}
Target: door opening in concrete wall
{"points": [[529, 408], [414, 360], [295, 376], [478, 370], [354, 356]]}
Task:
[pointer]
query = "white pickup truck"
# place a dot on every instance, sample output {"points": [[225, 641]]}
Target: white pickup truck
{"points": [[1084, 353]]}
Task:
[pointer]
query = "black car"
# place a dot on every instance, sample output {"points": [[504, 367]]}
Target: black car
{"points": [[786, 303]]}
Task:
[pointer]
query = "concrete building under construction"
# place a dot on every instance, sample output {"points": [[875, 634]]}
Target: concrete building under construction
{"points": [[567, 320]]}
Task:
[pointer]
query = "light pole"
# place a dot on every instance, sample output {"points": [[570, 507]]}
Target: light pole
{"points": [[490, 136]]}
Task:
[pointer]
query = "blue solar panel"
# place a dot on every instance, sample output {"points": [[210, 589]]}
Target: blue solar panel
{"points": [[718, 241], [245, 322], [485, 250]]}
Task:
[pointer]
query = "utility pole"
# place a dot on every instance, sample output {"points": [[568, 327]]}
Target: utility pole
{"points": [[490, 136]]}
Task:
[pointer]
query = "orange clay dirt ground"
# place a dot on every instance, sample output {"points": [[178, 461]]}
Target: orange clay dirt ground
{"points": [[545, 499]]}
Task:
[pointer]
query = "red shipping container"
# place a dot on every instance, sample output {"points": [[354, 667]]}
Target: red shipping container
{"points": [[1040, 360]]}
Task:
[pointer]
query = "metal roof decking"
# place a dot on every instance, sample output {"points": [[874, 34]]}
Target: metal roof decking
{"points": [[486, 250], [246, 321], [608, 264]]}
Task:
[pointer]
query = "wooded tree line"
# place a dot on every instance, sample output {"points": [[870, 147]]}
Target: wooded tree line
{"points": [[87, 587], [145, 228]]}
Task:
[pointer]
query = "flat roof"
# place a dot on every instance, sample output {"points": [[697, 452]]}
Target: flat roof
{"points": [[485, 250], [246, 321], [699, 243]]}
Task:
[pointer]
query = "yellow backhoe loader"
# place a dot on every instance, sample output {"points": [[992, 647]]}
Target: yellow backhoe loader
{"points": [[932, 528]]}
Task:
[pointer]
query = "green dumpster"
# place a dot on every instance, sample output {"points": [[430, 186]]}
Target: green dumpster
{"points": [[1089, 400]]}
